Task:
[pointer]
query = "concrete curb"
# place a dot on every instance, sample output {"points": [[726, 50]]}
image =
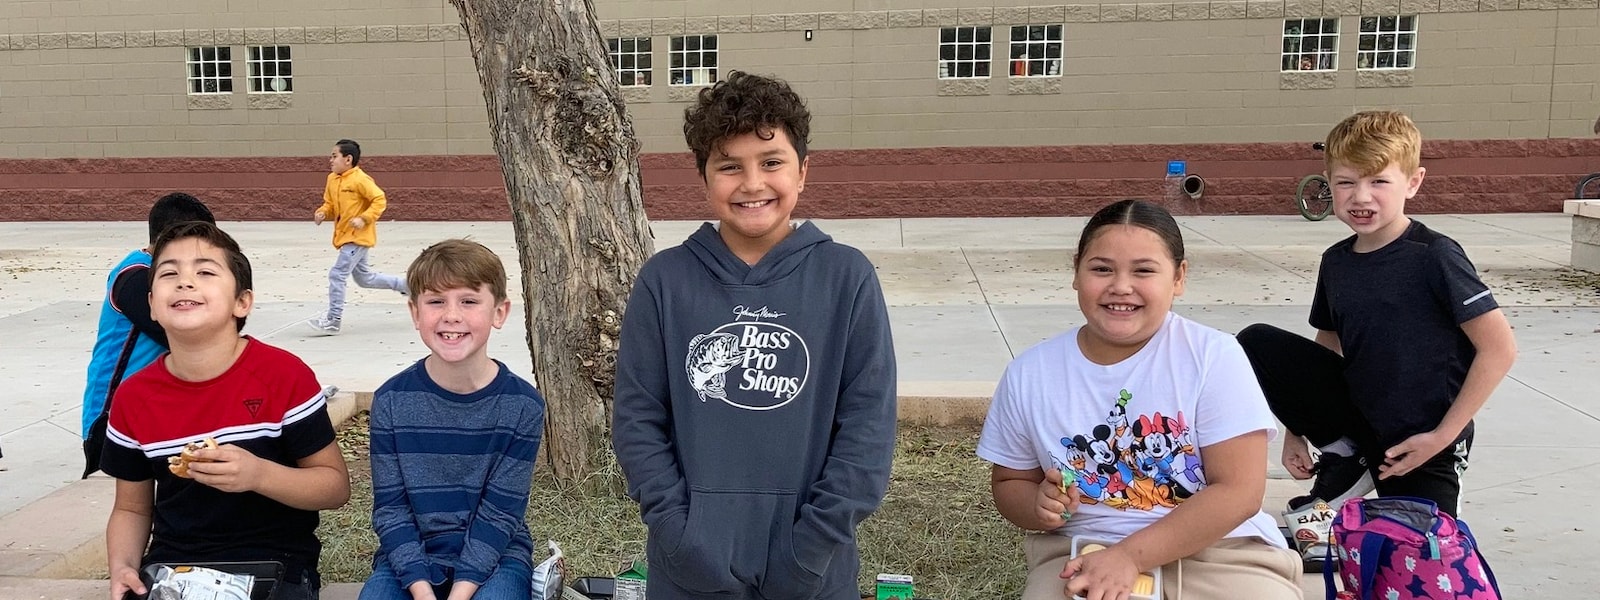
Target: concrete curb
{"points": [[41, 588], [75, 547]]}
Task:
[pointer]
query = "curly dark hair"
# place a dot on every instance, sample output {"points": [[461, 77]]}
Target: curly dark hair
{"points": [[740, 104]]}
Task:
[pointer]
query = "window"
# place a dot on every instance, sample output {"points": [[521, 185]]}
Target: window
{"points": [[1387, 43], [630, 58], [1310, 44], [693, 60], [1036, 51], [964, 52], [210, 70], [270, 70]]}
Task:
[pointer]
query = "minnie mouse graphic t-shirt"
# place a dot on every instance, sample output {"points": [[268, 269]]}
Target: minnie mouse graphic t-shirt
{"points": [[1131, 432]]}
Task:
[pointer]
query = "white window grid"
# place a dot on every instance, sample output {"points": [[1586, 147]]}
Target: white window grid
{"points": [[1311, 44], [210, 69], [630, 58], [1035, 51], [692, 60], [964, 52], [1387, 43], [270, 70]]}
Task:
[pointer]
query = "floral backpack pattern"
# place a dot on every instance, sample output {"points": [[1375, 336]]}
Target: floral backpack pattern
{"points": [[1401, 548]]}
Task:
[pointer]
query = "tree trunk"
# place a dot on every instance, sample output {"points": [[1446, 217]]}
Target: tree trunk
{"points": [[571, 165]]}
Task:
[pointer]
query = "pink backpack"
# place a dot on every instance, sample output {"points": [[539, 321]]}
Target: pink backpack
{"points": [[1400, 548]]}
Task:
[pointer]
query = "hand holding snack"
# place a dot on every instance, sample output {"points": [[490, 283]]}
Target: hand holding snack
{"points": [[1057, 498], [1111, 571], [179, 464], [228, 468]]}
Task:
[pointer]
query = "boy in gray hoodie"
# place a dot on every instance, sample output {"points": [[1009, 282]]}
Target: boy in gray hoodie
{"points": [[754, 415]]}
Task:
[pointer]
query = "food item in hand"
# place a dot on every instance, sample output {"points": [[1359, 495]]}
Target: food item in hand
{"points": [[179, 465], [1145, 585]]}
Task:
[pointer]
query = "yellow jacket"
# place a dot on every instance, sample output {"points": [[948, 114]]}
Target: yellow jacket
{"points": [[350, 195]]}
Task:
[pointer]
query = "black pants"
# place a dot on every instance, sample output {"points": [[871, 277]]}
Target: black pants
{"points": [[1306, 390]]}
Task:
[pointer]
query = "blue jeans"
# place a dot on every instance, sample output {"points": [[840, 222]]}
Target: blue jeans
{"points": [[352, 261], [511, 580]]}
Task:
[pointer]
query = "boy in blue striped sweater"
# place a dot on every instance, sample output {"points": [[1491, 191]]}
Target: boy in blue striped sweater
{"points": [[454, 438]]}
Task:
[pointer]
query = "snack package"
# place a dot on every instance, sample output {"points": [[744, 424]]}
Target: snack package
{"points": [[197, 583], [550, 576], [1146, 587]]}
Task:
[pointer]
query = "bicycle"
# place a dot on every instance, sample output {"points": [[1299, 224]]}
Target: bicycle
{"points": [[1314, 197], [1588, 188]]}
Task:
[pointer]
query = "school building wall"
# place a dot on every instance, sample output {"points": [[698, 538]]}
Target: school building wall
{"points": [[96, 121]]}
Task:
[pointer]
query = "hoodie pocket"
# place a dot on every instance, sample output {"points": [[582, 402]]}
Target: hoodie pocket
{"points": [[786, 577], [722, 546]]}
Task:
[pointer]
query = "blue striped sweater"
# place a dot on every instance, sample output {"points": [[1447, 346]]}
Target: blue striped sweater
{"points": [[451, 474]]}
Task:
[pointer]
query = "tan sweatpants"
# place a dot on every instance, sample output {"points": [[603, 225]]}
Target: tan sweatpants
{"points": [[1229, 569]]}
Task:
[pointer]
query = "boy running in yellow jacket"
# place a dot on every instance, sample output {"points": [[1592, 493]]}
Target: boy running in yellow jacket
{"points": [[354, 202]]}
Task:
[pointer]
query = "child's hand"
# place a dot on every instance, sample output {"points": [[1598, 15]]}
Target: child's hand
{"points": [[1411, 453], [422, 590], [358, 222], [1052, 502], [228, 468], [317, 217], [125, 579], [1297, 457], [1107, 574], [463, 590]]}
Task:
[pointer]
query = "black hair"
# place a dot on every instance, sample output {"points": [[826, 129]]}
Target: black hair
{"points": [[176, 207], [238, 264], [351, 149], [1139, 213], [741, 104]]}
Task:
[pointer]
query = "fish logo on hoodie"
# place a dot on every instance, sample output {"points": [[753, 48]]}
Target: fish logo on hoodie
{"points": [[749, 364]]}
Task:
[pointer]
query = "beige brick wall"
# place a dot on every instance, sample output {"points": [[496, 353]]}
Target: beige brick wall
{"points": [[96, 78]]}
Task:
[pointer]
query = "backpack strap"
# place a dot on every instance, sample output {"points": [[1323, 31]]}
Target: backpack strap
{"points": [[1328, 571], [97, 432], [1462, 525], [1373, 549]]}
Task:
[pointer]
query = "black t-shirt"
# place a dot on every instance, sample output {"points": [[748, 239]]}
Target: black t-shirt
{"points": [[1398, 311]]}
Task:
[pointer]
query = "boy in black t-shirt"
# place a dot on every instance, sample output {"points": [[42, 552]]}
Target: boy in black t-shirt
{"points": [[255, 497], [1409, 344]]}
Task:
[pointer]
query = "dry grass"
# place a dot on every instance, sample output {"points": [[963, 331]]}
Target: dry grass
{"points": [[937, 524]]}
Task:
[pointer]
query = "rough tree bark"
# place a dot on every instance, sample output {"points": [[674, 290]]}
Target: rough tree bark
{"points": [[571, 165]]}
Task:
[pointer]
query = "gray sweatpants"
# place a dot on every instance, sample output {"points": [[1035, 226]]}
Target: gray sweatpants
{"points": [[353, 262]]}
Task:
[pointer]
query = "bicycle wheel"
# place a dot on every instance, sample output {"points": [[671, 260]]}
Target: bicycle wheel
{"points": [[1589, 188], [1314, 197]]}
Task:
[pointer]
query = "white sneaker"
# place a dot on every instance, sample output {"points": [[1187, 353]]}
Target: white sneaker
{"points": [[1310, 526], [324, 326]]}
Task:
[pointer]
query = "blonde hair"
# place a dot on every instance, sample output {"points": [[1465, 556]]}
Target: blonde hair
{"points": [[456, 263], [1370, 141]]}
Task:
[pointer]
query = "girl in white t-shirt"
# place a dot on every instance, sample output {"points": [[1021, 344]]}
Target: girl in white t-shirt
{"points": [[1159, 421]]}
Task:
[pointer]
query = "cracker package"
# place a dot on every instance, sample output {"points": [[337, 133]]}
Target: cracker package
{"points": [[197, 583]]}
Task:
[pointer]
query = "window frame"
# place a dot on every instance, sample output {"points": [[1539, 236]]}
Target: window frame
{"points": [[615, 49], [1293, 52], [981, 57], [1045, 62], [1397, 34], [678, 51], [255, 61], [195, 62]]}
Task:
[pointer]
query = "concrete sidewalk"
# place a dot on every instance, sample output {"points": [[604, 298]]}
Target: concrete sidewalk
{"points": [[965, 296]]}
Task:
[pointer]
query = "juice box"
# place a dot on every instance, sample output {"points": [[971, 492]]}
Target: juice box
{"points": [[894, 587], [630, 582]]}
